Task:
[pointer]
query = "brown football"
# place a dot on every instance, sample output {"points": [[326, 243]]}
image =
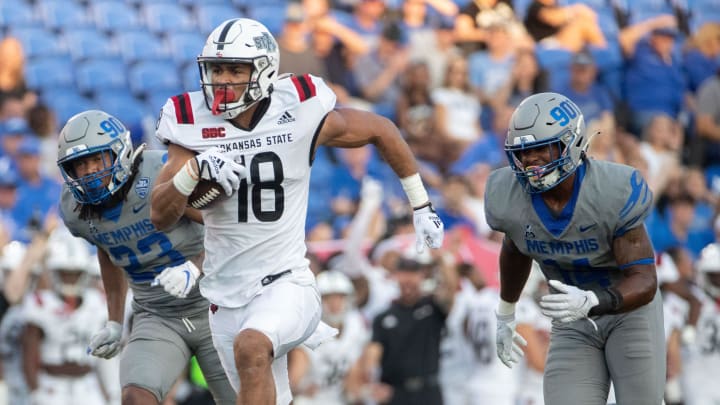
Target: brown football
{"points": [[206, 194]]}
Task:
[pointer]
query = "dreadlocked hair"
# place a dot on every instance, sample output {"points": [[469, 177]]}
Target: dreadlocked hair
{"points": [[94, 211]]}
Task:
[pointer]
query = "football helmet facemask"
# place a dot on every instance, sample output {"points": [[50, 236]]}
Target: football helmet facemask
{"points": [[244, 41], [88, 133], [546, 120]]}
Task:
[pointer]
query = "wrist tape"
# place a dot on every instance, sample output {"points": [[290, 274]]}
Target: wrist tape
{"points": [[186, 179], [415, 191], [610, 301]]}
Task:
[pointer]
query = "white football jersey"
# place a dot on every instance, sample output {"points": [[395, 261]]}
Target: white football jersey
{"points": [[530, 381], [331, 361], [66, 332], [701, 361], [491, 382], [260, 230]]}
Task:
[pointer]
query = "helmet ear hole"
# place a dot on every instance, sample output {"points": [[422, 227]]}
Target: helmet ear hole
{"points": [[579, 142]]}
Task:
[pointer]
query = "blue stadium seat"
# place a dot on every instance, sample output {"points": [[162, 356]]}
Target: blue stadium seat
{"points": [[161, 18], [113, 16], [185, 46], [140, 45], [88, 43], [211, 15], [38, 41], [156, 101], [62, 14], [193, 3], [151, 76], [703, 11], [66, 103], [190, 75], [272, 15], [16, 14], [49, 72], [122, 105], [95, 74]]}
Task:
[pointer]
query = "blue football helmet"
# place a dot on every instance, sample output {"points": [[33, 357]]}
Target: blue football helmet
{"points": [[546, 120], [88, 133]]}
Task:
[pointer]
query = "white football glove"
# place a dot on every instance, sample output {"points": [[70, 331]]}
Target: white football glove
{"points": [[509, 342], [106, 342], [223, 168], [570, 304], [178, 280], [429, 229]]}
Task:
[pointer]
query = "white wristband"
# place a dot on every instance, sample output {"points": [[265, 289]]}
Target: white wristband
{"points": [[185, 180], [505, 308], [415, 190]]}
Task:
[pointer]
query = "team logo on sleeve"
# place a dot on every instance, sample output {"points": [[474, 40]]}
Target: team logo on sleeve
{"points": [[142, 187], [529, 234]]}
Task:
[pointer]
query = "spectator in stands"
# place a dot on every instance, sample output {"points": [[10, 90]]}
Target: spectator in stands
{"points": [[9, 180], [454, 209], [366, 20], [12, 67], [491, 69], [409, 367], [378, 73], [654, 79], [572, 27], [416, 114], [437, 52], [527, 78], [12, 133], [702, 54], [296, 54], [38, 193], [661, 147], [593, 99], [457, 110], [43, 122], [471, 25], [707, 121]]}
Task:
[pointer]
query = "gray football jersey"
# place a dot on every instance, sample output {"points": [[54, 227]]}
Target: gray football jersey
{"points": [[575, 247], [133, 243]]}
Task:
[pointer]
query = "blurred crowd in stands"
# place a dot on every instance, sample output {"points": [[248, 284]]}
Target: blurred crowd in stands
{"points": [[646, 74]]}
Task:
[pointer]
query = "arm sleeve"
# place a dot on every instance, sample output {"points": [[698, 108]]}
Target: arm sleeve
{"points": [[637, 206], [323, 93]]}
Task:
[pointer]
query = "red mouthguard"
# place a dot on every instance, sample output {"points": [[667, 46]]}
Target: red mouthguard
{"points": [[224, 96]]}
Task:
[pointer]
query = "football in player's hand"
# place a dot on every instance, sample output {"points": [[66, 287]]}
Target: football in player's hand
{"points": [[206, 194]]}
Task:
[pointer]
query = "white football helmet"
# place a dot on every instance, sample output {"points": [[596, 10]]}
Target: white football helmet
{"points": [[91, 132], [333, 282], [68, 254], [542, 120], [240, 40], [708, 263]]}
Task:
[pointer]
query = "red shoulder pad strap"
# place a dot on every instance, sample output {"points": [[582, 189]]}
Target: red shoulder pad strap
{"points": [[304, 86], [183, 109]]}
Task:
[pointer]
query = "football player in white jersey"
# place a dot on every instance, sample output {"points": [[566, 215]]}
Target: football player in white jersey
{"points": [[59, 323], [701, 362], [318, 376], [255, 134]]}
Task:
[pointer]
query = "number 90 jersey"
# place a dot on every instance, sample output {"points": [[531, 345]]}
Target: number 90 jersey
{"points": [[574, 247], [260, 230]]}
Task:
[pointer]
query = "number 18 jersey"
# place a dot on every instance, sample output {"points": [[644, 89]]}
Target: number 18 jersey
{"points": [[260, 229]]}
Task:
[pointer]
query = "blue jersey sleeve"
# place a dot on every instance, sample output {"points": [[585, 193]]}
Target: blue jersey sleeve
{"points": [[637, 207]]}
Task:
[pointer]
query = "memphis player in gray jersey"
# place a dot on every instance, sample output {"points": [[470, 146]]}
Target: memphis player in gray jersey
{"points": [[105, 200], [582, 221]]}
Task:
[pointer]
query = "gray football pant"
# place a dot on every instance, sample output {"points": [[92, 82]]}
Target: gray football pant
{"points": [[628, 349], [159, 350]]}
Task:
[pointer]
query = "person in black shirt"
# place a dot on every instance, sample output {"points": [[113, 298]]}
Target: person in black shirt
{"points": [[405, 343]]}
